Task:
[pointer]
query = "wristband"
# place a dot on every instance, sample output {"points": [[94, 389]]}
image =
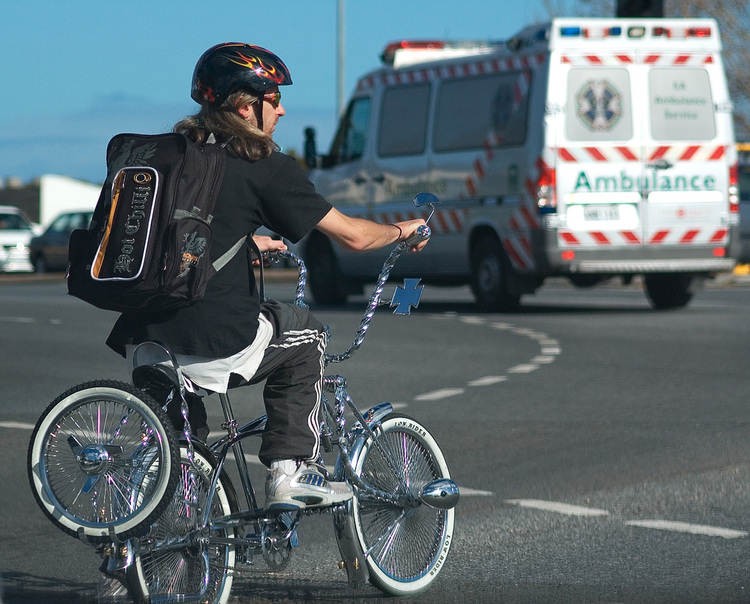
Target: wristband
{"points": [[400, 232]]}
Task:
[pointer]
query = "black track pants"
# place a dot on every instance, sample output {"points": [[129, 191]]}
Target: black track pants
{"points": [[292, 368]]}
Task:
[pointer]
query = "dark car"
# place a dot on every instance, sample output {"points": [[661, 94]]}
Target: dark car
{"points": [[49, 251]]}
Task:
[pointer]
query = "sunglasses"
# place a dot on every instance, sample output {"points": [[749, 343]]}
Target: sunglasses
{"points": [[273, 97]]}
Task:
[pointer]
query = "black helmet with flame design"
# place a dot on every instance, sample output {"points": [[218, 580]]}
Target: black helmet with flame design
{"points": [[232, 66]]}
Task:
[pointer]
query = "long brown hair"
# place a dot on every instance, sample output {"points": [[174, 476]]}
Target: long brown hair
{"points": [[228, 126]]}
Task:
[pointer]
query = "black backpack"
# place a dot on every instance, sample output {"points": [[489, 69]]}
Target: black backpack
{"points": [[147, 248]]}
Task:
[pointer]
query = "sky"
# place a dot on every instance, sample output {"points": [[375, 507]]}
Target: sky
{"points": [[76, 72]]}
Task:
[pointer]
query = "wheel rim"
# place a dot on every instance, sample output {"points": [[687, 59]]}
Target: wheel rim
{"points": [[94, 459], [489, 274], [182, 571], [404, 542]]}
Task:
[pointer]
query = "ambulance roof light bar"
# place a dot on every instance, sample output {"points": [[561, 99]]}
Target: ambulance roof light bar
{"points": [[635, 31], [434, 47]]}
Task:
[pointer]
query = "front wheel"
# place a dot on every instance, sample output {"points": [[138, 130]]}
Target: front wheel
{"points": [[407, 545], [490, 276], [197, 570], [92, 451]]}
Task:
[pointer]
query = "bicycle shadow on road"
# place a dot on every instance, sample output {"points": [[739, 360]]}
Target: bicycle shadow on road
{"points": [[278, 589], [27, 588]]}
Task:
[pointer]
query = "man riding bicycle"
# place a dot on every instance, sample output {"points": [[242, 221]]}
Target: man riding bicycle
{"points": [[229, 337]]}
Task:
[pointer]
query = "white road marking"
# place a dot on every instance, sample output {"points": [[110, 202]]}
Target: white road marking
{"points": [[685, 527], [472, 320], [544, 360], [524, 331], [524, 368], [501, 325], [467, 492], [436, 395], [488, 380], [18, 425], [558, 508], [28, 320]]}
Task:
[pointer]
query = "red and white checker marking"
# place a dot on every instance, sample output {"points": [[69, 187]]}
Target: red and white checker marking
{"points": [[673, 236]]}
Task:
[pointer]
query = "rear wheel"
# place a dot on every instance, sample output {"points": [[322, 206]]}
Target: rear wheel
{"points": [[406, 545], [666, 291], [490, 271], [91, 451], [196, 571]]}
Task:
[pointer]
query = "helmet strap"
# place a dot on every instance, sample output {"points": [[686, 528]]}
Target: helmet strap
{"points": [[259, 113], [231, 107]]}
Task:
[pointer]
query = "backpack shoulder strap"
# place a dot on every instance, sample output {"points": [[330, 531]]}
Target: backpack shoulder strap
{"points": [[253, 249], [224, 259]]}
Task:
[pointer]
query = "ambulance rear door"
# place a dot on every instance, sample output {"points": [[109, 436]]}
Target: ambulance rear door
{"points": [[597, 152], [688, 136]]}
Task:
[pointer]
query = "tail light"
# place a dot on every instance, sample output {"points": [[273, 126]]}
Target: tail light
{"points": [[734, 189], [545, 189]]}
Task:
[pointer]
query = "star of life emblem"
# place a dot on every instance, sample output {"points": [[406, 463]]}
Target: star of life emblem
{"points": [[598, 105]]}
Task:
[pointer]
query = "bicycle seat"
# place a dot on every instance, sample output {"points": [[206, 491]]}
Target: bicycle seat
{"points": [[157, 380]]}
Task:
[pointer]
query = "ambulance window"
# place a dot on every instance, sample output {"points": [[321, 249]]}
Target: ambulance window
{"points": [[403, 120], [349, 142], [476, 112], [598, 105], [681, 104]]}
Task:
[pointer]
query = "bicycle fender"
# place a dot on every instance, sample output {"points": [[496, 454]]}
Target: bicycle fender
{"points": [[375, 414], [352, 556]]}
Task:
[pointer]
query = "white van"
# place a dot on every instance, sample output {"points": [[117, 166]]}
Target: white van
{"points": [[585, 148]]}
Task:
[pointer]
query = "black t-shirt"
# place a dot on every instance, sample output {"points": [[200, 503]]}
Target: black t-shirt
{"points": [[274, 192]]}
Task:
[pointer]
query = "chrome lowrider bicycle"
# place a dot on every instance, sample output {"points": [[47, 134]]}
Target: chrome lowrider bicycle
{"points": [[106, 466]]}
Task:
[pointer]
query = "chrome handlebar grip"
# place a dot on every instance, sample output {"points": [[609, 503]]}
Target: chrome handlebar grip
{"points": [[423, 234]]}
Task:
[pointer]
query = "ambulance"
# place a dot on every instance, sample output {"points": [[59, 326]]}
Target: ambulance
{"points": [[582, 148]]}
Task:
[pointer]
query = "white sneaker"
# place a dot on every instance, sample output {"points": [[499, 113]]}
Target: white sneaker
{"points": [[304, 488]]}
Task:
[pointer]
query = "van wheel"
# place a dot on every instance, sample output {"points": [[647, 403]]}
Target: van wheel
{"points": [[667, 291], [326, 280], [40, 265], [489, 276]]}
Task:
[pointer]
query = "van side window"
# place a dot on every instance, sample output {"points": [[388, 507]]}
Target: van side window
{"points": [[681, 104], [598, 105], [482, 111], [403, 120], [350, 139]]}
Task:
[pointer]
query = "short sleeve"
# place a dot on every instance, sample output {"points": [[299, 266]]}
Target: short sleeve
{"points": [[290, 205]]}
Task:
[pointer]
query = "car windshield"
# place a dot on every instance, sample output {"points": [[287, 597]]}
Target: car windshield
{"points": [[13, 222]]}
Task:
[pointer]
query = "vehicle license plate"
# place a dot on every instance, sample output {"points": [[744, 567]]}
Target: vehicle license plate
{"points": [[603, 212]]}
